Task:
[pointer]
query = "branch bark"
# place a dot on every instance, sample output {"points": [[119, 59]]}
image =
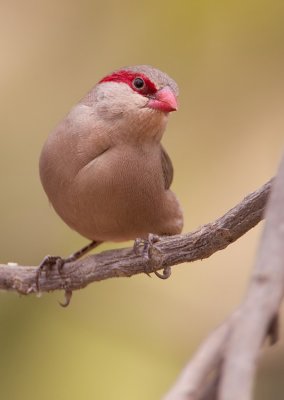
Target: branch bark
{"points": [[195, 381], [224, 366], [169, 251], [258, 315]]}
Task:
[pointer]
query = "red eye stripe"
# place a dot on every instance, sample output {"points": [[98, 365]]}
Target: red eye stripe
{"points": [[128, 78]]}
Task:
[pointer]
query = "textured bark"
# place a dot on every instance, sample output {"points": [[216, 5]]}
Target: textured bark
{"points": [[224, 366], [169, 251]]}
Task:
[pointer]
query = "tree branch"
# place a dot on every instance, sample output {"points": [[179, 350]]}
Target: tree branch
{"points": [[195, 381], [169, 251], [258, 316], [224, 366]]}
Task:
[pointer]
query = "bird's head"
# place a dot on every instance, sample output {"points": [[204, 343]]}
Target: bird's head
{"points": [[137, 98]]}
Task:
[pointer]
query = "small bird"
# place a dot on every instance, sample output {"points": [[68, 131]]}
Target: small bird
{"points": [[103, 167]]}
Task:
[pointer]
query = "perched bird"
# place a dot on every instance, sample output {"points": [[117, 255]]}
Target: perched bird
{"points": [[104, 169]]}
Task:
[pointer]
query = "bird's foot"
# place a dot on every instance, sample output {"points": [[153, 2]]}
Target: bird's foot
{"points": [[148, 245], [47, 264]]}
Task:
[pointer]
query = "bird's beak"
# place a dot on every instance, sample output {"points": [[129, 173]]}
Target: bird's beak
{"points": [[164, 100]]}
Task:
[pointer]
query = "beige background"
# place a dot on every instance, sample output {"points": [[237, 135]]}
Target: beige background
{"points": [[129, 338]]}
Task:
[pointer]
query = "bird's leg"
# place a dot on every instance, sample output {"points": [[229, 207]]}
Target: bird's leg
{"points": [[148, 245], [84, 250], [50, 261]]}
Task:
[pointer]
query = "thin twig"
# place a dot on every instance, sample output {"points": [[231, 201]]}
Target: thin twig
{"points": [[169, 251]]}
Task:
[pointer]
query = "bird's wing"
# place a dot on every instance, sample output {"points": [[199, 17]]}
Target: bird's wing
{"points": [[167, 167]]}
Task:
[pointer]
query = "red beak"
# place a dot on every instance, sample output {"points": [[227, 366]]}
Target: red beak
{"points": [[164, 100]]}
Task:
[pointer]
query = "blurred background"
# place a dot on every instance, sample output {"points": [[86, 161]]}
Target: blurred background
{"points": [[129, 338]]}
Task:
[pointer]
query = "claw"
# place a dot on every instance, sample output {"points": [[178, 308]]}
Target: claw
{"points": [[137, 243], [50, 261], [60, 262], [148, 245], [68, 295], [166, 273], [46, 265]]}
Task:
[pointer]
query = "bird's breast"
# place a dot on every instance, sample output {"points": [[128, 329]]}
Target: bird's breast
{"points": [[118, 195]]}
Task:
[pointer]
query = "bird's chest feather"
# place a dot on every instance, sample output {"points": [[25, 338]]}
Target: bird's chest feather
{"points": [[131, 174], [118, 196]]}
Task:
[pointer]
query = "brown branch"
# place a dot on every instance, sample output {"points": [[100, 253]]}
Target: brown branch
{"points": [[194, 381], [258, 316], [169, 251], [224, 366]]}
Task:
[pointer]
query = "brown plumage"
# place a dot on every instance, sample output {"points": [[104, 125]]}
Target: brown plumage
{"points": [[104, 169]]}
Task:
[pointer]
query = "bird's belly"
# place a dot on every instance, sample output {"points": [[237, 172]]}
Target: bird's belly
{"points": [[118, 202]]}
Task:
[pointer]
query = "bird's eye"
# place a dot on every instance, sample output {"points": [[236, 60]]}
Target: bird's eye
{"points": [[138, 83]]}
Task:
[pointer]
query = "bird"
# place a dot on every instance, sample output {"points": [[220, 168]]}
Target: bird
{"points": [[104, 169]]}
